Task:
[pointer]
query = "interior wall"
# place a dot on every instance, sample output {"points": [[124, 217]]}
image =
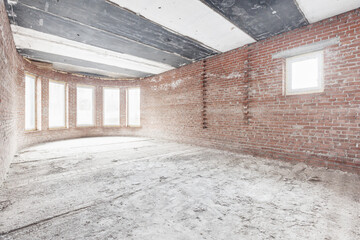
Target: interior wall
{"points": [[13, 67], [239, 105], [27, 138], [232, 101], [9, 71]]}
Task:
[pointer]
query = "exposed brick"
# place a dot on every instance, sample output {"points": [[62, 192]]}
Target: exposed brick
{"points": [[327, 124], [9, 71], [12, 101], [29, 138], [241, 96]]}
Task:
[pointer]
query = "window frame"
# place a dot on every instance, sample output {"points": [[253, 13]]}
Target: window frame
{"points": [[103, 115], [66, 105], [36, 127], [319, 55], [93, 105], [127, 108]]}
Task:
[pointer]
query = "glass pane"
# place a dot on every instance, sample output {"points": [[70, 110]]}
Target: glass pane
{"points": [[111, 106], [134, 107], [29, 103], [85, 106], [38, 104], [304, 74], [57, 103]]}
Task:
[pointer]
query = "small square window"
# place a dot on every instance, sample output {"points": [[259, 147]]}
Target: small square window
{"points": [[304, 74]]}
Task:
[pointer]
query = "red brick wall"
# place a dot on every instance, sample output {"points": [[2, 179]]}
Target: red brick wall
{"points": [[8, 74], [246, 111], [237, 105]]}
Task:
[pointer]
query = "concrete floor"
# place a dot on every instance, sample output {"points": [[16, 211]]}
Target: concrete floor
{"points": [[139, 188]]}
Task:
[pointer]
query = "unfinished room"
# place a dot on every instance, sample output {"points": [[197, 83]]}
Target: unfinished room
{"points": [[180, 119]]}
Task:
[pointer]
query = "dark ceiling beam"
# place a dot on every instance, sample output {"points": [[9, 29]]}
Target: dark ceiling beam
{"points": [[261, 18], [107, 17], [41, 21]]}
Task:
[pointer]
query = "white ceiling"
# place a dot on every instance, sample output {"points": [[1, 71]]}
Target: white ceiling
{"points": [[193, 19], [28, 38], [97, 37], [317, 10]]}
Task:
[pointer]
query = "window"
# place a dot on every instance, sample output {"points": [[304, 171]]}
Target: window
{"points": [[57, 104], [38, 104], [133, 106], [85, 106], [111, 106], [30, 102], [304, 73]]}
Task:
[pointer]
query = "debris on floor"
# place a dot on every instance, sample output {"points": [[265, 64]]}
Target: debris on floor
{"points": [[101, 188]]}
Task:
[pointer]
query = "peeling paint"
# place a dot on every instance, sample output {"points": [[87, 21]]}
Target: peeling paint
{"points": [[12, 2], [230, 76], [166, 86], [156, 79], [173, 85], [46, 6]]}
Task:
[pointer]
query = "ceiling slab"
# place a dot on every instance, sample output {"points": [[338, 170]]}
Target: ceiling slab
{"points": [[30, 39], [30, 18], [92, 72], [102, 15], [139, 38], [81, 64], [191, 18], [261, 18], [322, 9]]}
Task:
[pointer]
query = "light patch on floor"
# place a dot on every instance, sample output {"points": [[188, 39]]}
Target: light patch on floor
{"points": [[141, 188]]}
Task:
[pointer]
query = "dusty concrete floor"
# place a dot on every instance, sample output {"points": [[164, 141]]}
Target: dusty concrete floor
{"points": [[138, 188]]}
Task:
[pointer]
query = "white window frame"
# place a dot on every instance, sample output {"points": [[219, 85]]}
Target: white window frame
{"points": [[319, 55], [36, 127], [109, 125], [66, 104], [93, 106], [127, 108]]}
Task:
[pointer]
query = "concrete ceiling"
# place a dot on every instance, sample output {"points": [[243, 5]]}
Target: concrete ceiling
{"points": [[139, 38]]}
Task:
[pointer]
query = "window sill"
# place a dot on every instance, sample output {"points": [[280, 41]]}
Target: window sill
{"points": [[305, 92], [58, 128], [134, 126], [32, 131], [85, 126]]}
